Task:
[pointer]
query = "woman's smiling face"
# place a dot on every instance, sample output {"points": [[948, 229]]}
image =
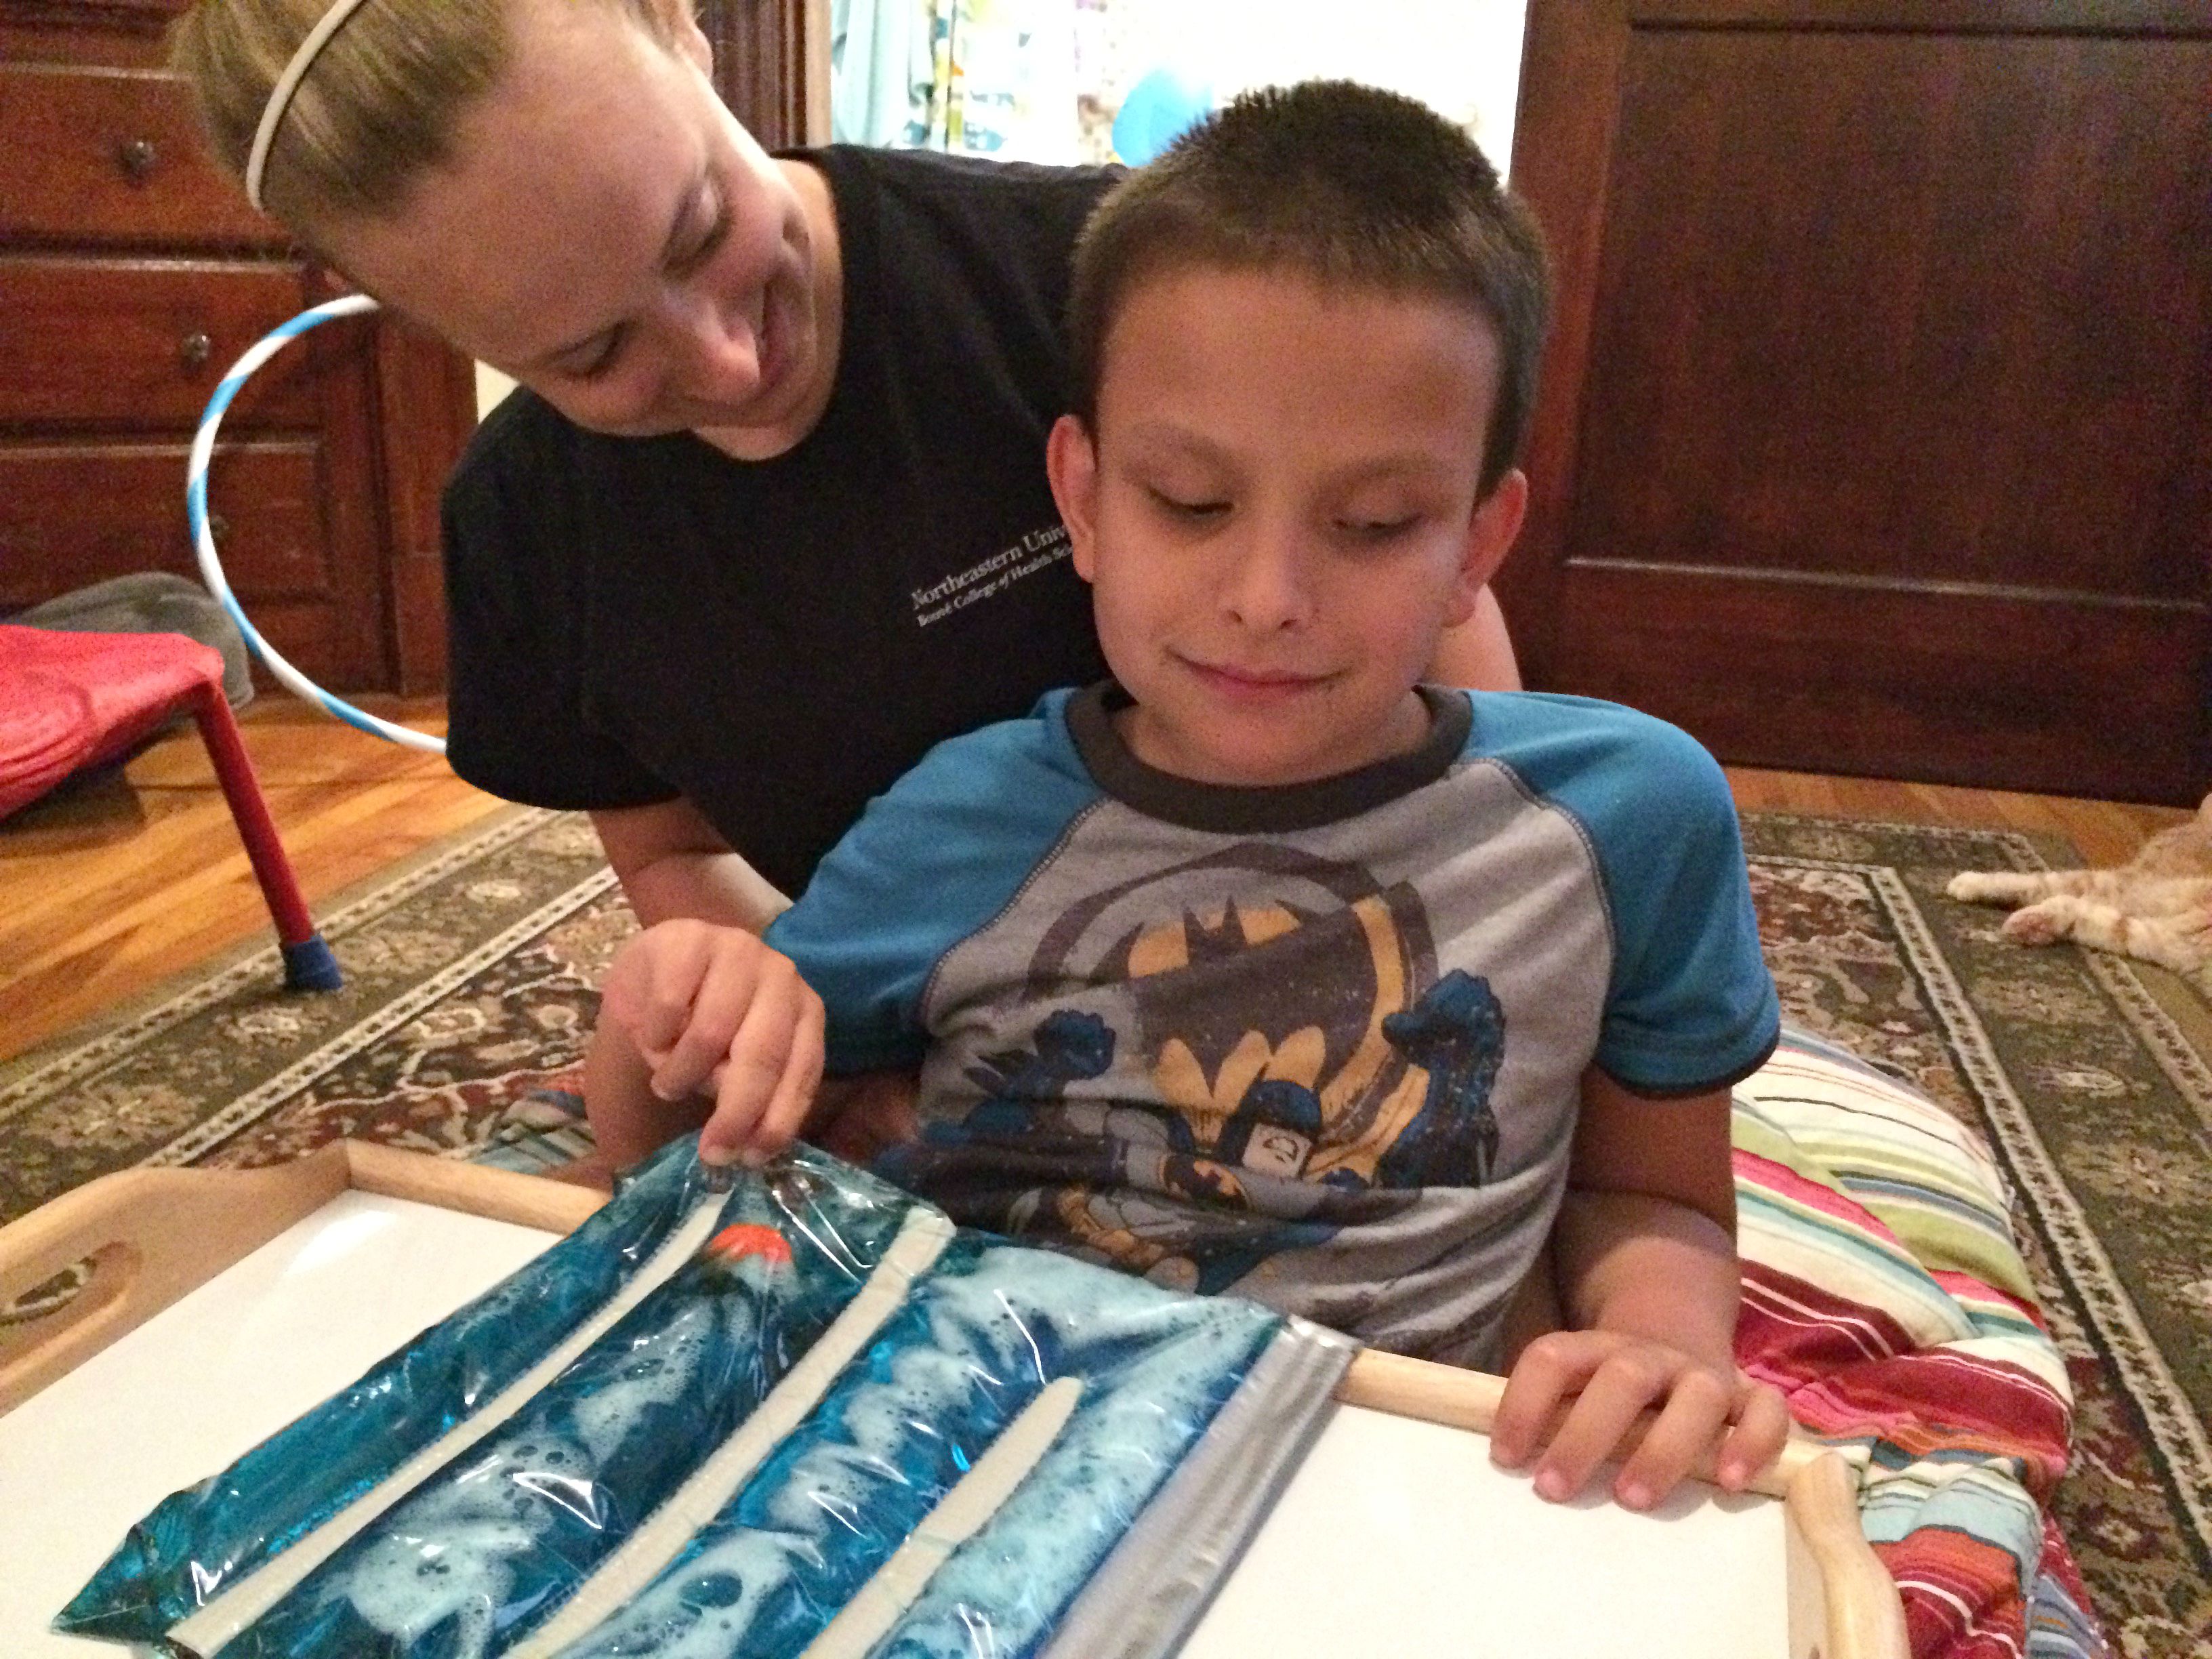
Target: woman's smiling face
{"points": [[607, 233]]}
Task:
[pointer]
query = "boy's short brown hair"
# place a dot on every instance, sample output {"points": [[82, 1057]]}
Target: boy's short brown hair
{"points": [[1348, 183]]}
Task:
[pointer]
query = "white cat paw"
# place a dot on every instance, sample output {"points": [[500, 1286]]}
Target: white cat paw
{"points": [[2033, 926]]}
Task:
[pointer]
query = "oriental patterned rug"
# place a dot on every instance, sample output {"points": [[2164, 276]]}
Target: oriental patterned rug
{"points": [[468, 997]]}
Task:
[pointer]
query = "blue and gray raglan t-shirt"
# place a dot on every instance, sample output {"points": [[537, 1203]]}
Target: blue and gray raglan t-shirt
{"points": [[1319, 1044]]}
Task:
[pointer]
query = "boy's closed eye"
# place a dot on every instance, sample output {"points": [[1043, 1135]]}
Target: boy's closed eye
{"points": [[1375, 531], [1194, 508]]}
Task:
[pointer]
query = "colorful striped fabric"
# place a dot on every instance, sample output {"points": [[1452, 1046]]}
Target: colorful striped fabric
{"points": [[1883, 1295]]}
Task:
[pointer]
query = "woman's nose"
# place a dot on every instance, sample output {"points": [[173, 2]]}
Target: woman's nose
{"points": [[718, 349]]}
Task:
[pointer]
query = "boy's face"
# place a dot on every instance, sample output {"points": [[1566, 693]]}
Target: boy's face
{"points": [[1278, 516]]}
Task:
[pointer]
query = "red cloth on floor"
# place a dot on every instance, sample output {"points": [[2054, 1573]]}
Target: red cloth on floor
{"points": [[69, 701]]}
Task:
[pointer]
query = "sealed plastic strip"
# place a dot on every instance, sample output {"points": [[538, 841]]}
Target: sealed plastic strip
{"points": [[1148, 1594], [663, 1534], [206, 1632], [978, 1496]]}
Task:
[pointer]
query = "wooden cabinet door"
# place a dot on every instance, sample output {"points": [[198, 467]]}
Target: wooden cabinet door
{"points": [[1877, 434], [131, 276]]}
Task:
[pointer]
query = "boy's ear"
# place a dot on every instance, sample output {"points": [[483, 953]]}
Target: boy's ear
{"points": [[1490, 533], [1071, 463]]}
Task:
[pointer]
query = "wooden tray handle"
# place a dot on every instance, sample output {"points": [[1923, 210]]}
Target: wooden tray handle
{"points": [[153, 1235], [1864, 1616], [1468, 1399]]}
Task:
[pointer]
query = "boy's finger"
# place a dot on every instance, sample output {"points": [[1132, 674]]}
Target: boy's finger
{"points": [[619, 992], [1688, 1425], [786, 1110], [1550, 1369], [715, 1013], [663, 994], [758, 1055], [1756, 1439], [1599, 1421]]}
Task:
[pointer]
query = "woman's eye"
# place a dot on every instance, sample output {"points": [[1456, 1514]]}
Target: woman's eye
{"points": [[602, 359], [711, 238]]}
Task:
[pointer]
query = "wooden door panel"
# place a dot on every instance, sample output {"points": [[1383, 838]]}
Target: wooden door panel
{"points": [[1807, 677], [1890, 342]]}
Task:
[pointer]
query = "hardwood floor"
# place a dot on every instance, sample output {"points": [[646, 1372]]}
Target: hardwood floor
{"points": [[107, 889]]}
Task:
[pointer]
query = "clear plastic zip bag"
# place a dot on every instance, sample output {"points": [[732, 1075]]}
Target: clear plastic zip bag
{"points": [[805, 1417]]}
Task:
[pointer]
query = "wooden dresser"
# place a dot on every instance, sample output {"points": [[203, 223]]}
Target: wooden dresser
{"points": [[131, 275]]}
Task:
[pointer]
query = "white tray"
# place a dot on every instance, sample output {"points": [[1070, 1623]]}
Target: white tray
{"points": [[227, 1303]]}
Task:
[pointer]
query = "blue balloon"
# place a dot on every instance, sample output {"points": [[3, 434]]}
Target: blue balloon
{"points": [[1160, 109]]}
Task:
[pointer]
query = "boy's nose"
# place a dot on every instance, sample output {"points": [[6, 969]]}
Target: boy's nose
{"points": [[1266, 587]]}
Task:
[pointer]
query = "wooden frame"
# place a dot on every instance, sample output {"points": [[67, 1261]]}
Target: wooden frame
{"points": [[772, 66], [152, 1235]]}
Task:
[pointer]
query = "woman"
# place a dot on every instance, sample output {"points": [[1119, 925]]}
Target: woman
{"points": [[769, 516]]}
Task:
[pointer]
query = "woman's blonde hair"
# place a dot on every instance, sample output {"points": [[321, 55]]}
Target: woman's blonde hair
{"points": [[380, 103]]}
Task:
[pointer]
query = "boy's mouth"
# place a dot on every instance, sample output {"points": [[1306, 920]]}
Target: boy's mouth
{"points": [[1236, 680]]}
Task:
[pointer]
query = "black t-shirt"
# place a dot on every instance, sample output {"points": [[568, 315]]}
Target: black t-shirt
{"points": [[633, 619]]}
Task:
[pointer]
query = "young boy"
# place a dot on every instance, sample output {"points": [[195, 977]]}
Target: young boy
{"points": [[1264, 968]]}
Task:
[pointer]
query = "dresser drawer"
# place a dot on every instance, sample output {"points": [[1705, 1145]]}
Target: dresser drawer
{"points": [[72, 514], [141, 343], [120, 160]]}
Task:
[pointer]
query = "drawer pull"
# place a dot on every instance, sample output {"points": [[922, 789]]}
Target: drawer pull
{"points": [[136, 158], [218, 528], [194, 349]]}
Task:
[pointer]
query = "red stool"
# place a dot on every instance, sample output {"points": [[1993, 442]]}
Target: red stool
{"points": [[69, 701]]}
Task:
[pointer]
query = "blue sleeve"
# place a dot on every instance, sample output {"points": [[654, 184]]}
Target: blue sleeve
{"points": [[1691, 1006], [932, 859]]}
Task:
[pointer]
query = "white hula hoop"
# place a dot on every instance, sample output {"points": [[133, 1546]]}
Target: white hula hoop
{"points": [[196, 470]]}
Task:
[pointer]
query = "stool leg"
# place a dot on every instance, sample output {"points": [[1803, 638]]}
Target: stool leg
{"points": [[308, 964]]}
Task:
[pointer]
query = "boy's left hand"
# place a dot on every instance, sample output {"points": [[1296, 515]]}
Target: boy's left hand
{"points": [[1606, 1380]]}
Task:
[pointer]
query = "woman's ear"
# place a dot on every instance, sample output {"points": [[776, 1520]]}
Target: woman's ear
{"points": [[1490, 532], [1071, 463], [682, 23]]}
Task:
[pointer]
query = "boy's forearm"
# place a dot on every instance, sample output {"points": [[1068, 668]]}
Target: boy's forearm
{"points": [[1648, 1266]]}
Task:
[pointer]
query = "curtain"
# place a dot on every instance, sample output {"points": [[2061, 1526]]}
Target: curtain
{"points": [[988, 77]]}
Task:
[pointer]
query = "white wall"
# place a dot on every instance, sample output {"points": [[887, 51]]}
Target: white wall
{"points": [[491, 386], [1462, 57]]}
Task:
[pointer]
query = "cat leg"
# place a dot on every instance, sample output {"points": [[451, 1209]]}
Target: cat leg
{"points": [[2001, 886], [2171, 942], [2168, 941], [2044, 922]]}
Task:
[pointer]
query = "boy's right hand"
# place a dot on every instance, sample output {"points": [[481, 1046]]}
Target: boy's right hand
{"points": [[712, 1009]]}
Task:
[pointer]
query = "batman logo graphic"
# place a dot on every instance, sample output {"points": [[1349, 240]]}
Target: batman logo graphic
{"points": [[1275, 996], [1274, 1057]]}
